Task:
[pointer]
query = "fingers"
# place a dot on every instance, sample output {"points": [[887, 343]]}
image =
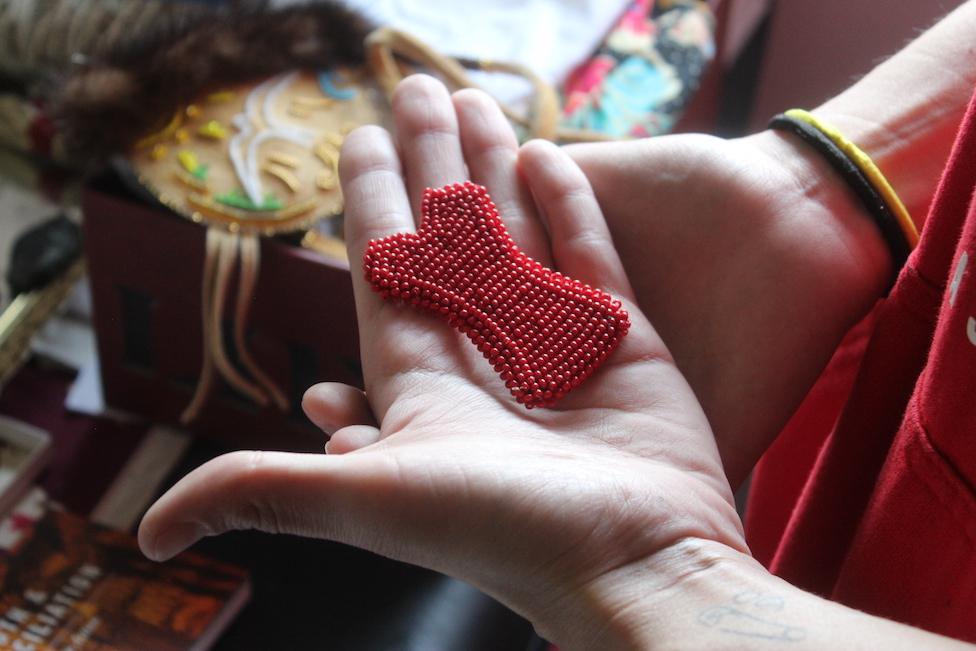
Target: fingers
{"points": [[491, 151], [376, 206], [355, 499], [373, 189], [247, 490], [352, 438], [427, 135], [581, 244], [332, 406]]}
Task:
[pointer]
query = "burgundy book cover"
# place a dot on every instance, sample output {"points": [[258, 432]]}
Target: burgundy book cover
{"points": [[145, 268]]}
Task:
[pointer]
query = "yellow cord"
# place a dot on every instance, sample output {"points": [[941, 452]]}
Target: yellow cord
{"points": [[868, 168]]}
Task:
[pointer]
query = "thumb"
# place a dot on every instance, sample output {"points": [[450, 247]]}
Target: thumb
{"points": [[351, 499]]}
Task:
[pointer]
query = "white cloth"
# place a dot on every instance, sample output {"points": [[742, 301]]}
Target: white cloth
{"points": [[548, 36]]}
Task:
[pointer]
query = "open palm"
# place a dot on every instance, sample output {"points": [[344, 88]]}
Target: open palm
{"points": [[436, 464]]}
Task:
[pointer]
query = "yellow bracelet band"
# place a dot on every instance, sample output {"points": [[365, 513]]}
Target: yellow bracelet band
{"points": [[868, 168]]}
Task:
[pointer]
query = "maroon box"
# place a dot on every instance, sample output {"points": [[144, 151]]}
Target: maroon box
{"points": [[145, 267]]}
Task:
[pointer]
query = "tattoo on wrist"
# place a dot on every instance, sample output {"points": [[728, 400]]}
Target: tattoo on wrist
{"points": [[753, 614]]}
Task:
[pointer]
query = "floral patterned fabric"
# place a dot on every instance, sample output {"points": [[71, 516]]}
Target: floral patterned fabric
{"points": [[648, 68]]}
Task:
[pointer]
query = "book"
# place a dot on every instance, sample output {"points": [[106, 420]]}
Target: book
{"points": [[24, 451], [140, 479], [106, 469], [69, 584]]}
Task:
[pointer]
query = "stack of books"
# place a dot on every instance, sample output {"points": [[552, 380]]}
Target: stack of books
{"points": [[68, 583]]}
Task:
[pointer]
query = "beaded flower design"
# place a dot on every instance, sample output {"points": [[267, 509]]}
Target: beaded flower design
{"points": [[542, 332]]}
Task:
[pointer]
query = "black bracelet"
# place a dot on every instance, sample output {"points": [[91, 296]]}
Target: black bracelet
{"points": [[872, 200]]}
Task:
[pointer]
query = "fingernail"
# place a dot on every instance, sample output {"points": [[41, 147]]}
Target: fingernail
{"points": [[314, 391], [174, 539]]}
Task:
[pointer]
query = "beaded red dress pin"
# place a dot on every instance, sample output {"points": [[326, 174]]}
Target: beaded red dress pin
{"points": [[542, 332]]}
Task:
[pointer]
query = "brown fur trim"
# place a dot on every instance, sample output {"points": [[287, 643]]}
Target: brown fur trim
{"points": [[106, 106]]}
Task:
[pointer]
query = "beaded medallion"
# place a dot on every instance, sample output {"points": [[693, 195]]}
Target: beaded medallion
{"points": [[542, 332], [253, 161], [261, 158]]}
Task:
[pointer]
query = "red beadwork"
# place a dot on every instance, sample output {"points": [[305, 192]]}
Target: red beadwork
{"points": [[542, 332]]}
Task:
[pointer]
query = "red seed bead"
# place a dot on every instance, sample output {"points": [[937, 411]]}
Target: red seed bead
{"points": [[542, 332]]}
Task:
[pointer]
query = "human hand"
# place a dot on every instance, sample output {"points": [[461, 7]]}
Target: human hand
{"points": [[751, 259], [556, 512]]}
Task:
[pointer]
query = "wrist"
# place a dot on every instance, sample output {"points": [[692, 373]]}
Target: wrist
{"points": [[912, 167], [701, 595], [841, 228], [655, 602], [909, 134]]}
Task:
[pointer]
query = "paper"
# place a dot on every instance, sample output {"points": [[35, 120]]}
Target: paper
{"points": [[550, 37]]}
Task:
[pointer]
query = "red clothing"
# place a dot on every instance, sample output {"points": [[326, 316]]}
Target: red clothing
{"points": [[869, 496]]}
